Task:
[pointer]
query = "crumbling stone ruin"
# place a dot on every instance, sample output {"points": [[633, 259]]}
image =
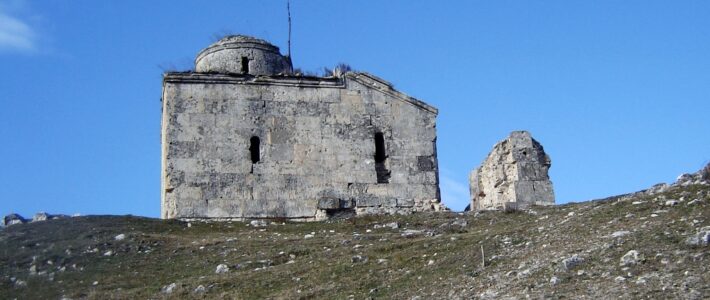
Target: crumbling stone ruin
{"points": [[244, 137], [513, 176]]}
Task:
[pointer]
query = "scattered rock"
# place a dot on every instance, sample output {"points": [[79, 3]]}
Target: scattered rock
{"points": [[259, 223], [358, 259], [692, 202], [631, 258], [554, 280], [620, 233], [108, 253], [221, 268], [524, 273], [571, 262], [671, 202], [200, 289], [699, 177], [460, 222], [411, 232], [168, 289], [41, 216], [701, 238], [656, 189], [392, 225], [13, 219], [119, 237], [684, 179], [20, 283], [489, 294], [705, 173], [619, 279], [310, 235]]}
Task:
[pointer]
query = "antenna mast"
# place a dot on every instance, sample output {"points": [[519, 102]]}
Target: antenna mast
{"points": [[288, 9]]}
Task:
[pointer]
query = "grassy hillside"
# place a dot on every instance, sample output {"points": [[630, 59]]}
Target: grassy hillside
{"points": [[566, 251]]}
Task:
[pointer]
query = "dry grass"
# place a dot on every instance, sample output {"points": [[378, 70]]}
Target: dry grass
{"points": [[441, 259]]}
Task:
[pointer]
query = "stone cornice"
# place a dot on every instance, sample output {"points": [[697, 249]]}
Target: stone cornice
{"points": [[366, 79], [385, 87], [284, 80]]}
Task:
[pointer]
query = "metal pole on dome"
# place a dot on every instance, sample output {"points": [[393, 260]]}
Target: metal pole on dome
{"points": [[288, 9]]}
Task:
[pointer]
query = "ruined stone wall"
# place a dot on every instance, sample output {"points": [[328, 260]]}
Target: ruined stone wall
{"points": [[513, 176], [316, 154]]}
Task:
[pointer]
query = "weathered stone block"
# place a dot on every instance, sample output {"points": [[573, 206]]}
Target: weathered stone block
{"points": [[329, 203], [405, 202], [367, 200], [513, 176], [425, 163]]}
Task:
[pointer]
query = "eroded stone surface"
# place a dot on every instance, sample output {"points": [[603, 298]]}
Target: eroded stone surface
{"points": [[242, 55], [513, 176], [238, 146]]}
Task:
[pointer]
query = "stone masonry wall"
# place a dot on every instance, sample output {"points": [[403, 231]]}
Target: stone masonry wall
{"points": [[316, 152]]}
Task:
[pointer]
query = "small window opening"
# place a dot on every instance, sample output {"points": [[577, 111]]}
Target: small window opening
{"points": [[254, 149], [383, 175], [380, 154], [245, 65]]}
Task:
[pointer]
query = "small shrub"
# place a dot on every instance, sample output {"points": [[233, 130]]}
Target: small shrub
{"points": [[338, 71]]}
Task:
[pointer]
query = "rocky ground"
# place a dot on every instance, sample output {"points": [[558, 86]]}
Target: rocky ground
{"points": [[651, 244]]}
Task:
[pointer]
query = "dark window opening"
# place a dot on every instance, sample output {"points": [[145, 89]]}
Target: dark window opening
{"points": [[245, 65], [254, 149], [383, 175], [380, 154]]}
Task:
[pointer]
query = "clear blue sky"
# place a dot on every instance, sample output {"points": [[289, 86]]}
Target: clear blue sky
{"points": [[618, 92]]}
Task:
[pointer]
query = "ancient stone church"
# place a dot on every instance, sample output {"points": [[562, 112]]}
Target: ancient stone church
{"points": [[244, 137]]}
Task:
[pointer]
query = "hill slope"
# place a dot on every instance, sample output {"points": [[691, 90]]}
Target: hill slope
{"points": [[567, 251]]}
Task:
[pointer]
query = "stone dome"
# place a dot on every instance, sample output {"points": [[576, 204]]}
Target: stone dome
{"points": [[242, 55]]}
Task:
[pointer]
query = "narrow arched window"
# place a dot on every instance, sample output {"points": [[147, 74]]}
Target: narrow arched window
{"points": [[254, 149], [245, 65], [380, 154], [383, 175]]}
